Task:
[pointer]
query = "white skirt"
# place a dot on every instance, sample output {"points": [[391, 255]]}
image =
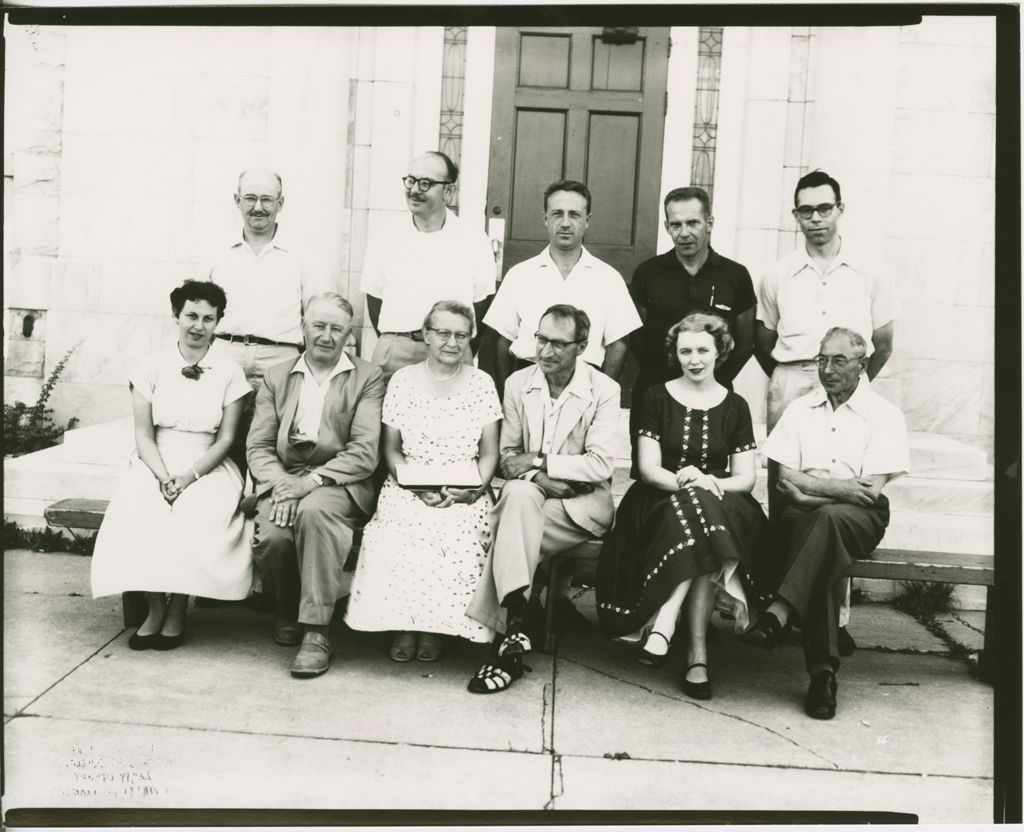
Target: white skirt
{"points": [[195, 546]]}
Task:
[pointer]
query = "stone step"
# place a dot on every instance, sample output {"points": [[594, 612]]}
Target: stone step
{"points": [[34, 481], [108, 443]]}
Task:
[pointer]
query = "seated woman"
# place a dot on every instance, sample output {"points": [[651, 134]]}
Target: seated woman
{"points": [[424, 551], [173, 525], [688, 528]]}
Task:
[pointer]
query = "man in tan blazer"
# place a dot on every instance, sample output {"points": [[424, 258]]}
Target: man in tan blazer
{"points": [[557, 455], [312, 449]]}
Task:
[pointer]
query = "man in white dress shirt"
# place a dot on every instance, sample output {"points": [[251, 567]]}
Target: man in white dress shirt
{"points": [[836, 449], [432, 256], [564, 272]]}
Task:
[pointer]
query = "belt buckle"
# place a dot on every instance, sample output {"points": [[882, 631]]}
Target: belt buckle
{"points": [[246, 342]]}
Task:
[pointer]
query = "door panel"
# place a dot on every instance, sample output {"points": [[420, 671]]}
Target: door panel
{"points": [[567, 105]]}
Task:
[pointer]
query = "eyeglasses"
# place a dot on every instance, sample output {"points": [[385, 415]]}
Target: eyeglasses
{"points": [[839, 362], [192, 372], [446, 334], [556, 345], [805, 212], [251, 200], [422, 183]]}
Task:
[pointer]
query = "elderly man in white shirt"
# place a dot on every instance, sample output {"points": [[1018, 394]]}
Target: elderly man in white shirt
{"points": [[563, 273], [836, 448], [312, 449], [430, 257]]}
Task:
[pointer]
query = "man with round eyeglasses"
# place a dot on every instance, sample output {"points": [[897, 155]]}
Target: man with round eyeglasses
{"points": [[825, 282], [411, 264]]}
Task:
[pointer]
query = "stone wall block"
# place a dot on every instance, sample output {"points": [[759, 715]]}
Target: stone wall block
{"points": [[230, 107], [91, 404], [392, 145], [362, 169], [976, 275], [27, 283], [118, 227], [793, 153], [799, 59], [140, 287], [956, 410], [395, 54], [757, 249], [762, 163], [108, 345], [929, 331], [234, 50], [366, 50], [34, 224], [363, 113], [932, 77], [357, 249], [934, 207], [119, 103], [988, 395], [76, 285], [925, 269], [216, 163], [769, 56], [134, 49], [942, 143], [35, 98], [32, 142], [22, 389]]}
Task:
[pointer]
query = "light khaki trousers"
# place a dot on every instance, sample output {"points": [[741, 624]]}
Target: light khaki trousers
{"points": [[526, 527]]}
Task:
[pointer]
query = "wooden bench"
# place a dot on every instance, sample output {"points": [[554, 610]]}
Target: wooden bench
{"points": [[886, 564], [76, 513]]}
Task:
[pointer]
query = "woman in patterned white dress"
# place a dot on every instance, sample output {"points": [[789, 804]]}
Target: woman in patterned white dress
{"points": [[423, 552], [173, 525], [688, 529]]}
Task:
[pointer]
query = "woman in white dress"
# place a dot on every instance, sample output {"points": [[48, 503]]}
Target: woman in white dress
{"points": [[173, 525], [424, 552]]}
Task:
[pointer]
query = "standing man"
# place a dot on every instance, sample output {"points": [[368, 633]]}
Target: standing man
{"points": [[821, 284], [266, 281], [691, 277], [557, 456], [836, 449], [563, 273], [312, 449], [436, 256]]}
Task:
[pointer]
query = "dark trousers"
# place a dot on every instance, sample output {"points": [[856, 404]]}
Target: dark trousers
{"points": [[817, 546]]}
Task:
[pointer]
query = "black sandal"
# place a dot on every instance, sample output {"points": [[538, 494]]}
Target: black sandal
{"points": [[515, 643], [494, 677]]}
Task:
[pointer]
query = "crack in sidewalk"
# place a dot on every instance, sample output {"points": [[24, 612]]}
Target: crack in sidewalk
{"points": [[726, 714]]}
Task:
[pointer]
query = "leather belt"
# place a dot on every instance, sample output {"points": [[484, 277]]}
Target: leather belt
{"points": [[255, 339], [415, 335]]}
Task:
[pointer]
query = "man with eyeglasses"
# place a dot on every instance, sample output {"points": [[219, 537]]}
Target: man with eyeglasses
{"points": [[836, 449], [557, 447], [266, 280], [432, 256], [691, 277], [564, 272], [823, 283]]}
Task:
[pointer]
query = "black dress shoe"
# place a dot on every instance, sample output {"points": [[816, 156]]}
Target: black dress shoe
{"points": [[766, 633], [821, 696], [696, 690], [137, 642], [847, 645], [168, 642]]}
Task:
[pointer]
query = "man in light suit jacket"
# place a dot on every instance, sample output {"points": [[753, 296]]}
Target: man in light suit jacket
{"points": [[312, 449], [557, 455]]}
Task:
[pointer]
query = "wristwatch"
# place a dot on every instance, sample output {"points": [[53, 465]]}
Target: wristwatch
{"points": [[538, 461], [319, 480]]}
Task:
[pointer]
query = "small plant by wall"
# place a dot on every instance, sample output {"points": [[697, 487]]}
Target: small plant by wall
{"points": [[30, 427]]}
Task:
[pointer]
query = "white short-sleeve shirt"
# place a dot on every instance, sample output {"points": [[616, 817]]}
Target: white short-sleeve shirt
{"points": [[266, 290], [532, 286], [410, 270], [195, 405], [865, 435], [800, 303]]}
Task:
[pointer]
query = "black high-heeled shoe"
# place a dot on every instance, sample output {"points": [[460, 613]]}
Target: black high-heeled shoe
{"points": [[649, 659], [697, 690], [137, 642], [168, 642]]}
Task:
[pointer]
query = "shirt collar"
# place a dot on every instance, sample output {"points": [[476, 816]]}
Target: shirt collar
{"points": [[280, 240], [859, 402], [585, 262], [343, 366], [847, 257], [579, 385]]}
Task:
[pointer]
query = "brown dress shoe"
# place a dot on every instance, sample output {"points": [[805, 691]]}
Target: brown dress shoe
{"points": [[314, 656], [287, 633]]}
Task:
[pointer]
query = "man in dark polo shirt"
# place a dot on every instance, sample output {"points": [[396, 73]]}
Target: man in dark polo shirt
{"points": [[691, 277]]}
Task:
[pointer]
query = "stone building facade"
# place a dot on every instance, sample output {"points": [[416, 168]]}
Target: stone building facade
{"points": [[122, 146]]}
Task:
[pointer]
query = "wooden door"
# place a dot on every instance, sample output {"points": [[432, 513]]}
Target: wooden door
{"points": [[568, 105]]}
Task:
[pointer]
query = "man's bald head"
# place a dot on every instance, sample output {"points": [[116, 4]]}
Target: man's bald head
{"points": [[258, 199]]}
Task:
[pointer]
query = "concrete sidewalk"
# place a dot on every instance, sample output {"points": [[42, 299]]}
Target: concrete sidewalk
{"points": [[220, 723]]}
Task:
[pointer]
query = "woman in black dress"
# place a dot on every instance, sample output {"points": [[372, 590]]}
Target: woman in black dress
{"points": [[686, 532]]}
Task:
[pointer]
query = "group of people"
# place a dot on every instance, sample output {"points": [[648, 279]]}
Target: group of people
{"points": [[406, 447]]}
